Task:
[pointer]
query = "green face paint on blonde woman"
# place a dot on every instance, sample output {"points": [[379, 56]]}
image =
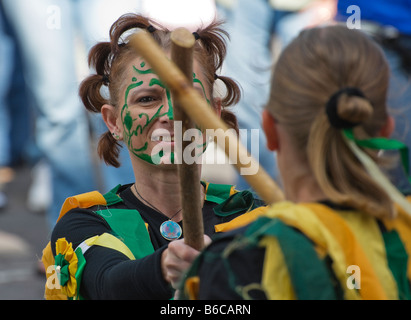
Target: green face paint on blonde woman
{"points": [[138, 126]]}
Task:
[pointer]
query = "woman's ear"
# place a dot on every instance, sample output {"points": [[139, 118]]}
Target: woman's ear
{"points": [[388, 128], [270, 130], [109, 115]]}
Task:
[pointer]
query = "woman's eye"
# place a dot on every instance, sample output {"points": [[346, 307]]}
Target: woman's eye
{"points": [[147, 99]]}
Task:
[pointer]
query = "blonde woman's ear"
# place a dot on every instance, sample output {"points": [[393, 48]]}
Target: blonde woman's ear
{"points": [[388, 128], [270, 130]]}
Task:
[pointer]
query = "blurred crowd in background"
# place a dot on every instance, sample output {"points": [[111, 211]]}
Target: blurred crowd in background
{"points": [[43, 58]]}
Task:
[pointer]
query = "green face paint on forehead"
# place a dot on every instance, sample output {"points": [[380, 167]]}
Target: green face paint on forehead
{"points": [[156, 81], [133, 127]]}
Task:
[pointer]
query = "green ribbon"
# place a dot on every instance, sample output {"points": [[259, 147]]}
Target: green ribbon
{"points": [[380, 143], [61, 262]]}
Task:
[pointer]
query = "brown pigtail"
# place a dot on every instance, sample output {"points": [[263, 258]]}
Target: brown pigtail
{"points": [[100, 57], [233, 91], [90, 87], [230, 119], [109, 149], [90, 93], [212, 40], [128, 22], [124, 23]]}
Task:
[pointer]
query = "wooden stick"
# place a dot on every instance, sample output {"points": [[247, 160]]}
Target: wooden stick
{"points": [[182, 45], [200, 112]]}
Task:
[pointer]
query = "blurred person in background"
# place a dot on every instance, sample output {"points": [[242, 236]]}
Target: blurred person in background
{"points": [[258, 29], [48, 32], [15, 112], [389, 24], [6, 56]]}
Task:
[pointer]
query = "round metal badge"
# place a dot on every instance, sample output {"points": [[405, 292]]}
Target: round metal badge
{"points": [[170, 230]]}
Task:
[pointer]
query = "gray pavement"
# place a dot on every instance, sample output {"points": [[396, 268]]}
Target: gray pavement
{"points": [[23, 235]]}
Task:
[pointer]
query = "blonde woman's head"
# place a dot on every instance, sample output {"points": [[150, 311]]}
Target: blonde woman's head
{"points": [[319, 63]]}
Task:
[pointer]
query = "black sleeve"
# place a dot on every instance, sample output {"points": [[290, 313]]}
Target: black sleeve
{"points": [[109, 274], [225, 278]]}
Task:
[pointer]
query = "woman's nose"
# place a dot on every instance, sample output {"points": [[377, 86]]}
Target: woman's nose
{"points": [[168, 110]]}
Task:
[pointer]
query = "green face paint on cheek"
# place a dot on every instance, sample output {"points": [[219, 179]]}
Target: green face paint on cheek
{"points": [[133, 127]]}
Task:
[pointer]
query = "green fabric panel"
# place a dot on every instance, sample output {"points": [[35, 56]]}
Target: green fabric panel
{"points": [[131, 229], [112, 197], [397, 261], [308, 273], [218, 192], [238, 202], [80, 268]]}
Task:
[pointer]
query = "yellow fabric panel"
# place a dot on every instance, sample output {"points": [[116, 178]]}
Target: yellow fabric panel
{"points": [[84, 200], [233, 191], [339, 238], [90, 241], [276, 280], [303, 219], [369, 236], [109, 241], [192, 287], [332, 234], [329, 231], [241, 221]]}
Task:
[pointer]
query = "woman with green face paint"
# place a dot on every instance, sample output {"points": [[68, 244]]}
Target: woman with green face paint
{"points": [[128, 243]]}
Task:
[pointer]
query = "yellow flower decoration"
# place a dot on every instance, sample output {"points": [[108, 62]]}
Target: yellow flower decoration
{"points": [[69, 265]]}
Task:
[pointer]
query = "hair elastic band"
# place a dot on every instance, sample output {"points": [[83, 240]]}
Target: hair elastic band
{"points": [[105, 79], [196, 35], [332, 106], [151, 29]]}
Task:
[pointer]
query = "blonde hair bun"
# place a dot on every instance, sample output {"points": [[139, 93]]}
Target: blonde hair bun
{"points": [[354, 108]]}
